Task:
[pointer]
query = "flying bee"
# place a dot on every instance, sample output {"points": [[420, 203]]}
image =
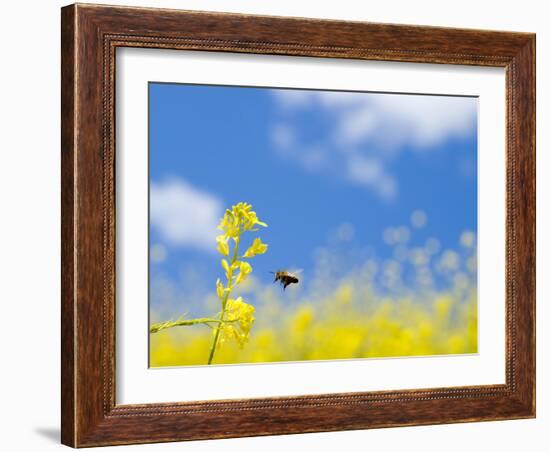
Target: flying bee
{"points": [[286, 277]]}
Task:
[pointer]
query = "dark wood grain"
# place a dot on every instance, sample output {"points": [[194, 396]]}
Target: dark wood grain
{"points": [[68, 310], [90, 36]]}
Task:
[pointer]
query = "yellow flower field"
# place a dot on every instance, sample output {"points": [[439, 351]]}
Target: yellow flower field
{"points": [[350, 322], [383, 308]]}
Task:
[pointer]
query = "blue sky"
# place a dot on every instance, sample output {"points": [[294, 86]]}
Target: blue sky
{"points": [[325, 170]]}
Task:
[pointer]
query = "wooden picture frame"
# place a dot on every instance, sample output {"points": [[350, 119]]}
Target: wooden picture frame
{"points": [[90, 36]]}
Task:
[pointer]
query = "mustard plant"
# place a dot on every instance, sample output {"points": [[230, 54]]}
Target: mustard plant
{"points": [[235, 318]]}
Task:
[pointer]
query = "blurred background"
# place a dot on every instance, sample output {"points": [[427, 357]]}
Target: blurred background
{"points": [[372, 195]]}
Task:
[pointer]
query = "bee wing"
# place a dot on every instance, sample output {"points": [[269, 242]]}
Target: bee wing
{"points": [[296, 273]]}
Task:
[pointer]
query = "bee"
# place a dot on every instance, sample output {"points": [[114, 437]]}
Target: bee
{"points": [[286, 277]]}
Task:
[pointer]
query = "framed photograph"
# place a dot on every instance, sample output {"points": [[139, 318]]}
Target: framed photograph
{"points": [[282, 225]]}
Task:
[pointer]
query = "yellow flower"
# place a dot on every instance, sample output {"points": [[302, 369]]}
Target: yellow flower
{"points": [[241, 208], [256, 248], [236, 316], [230, 224], [244, 270], [251, 220], [240, 218], [242, 311], [219, 289], [240, 317], [223, 247], [247, 217], [227, 331], [226, 220], [227, 268]]}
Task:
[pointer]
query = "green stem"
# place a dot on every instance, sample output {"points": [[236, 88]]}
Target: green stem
{"points": [[224, 303], [156, 327]]}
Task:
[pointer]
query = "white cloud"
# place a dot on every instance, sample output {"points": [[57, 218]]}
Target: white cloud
{"points": [[292, 98], [184, 215], [314, 158], [397, 120], [356, 126], [367, 130], [282, 136], [423, 121], [370, 172]]}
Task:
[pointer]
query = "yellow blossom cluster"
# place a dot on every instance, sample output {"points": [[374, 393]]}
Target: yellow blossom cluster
{"points": [[238, 219], [236, 317], [239, 318]]}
